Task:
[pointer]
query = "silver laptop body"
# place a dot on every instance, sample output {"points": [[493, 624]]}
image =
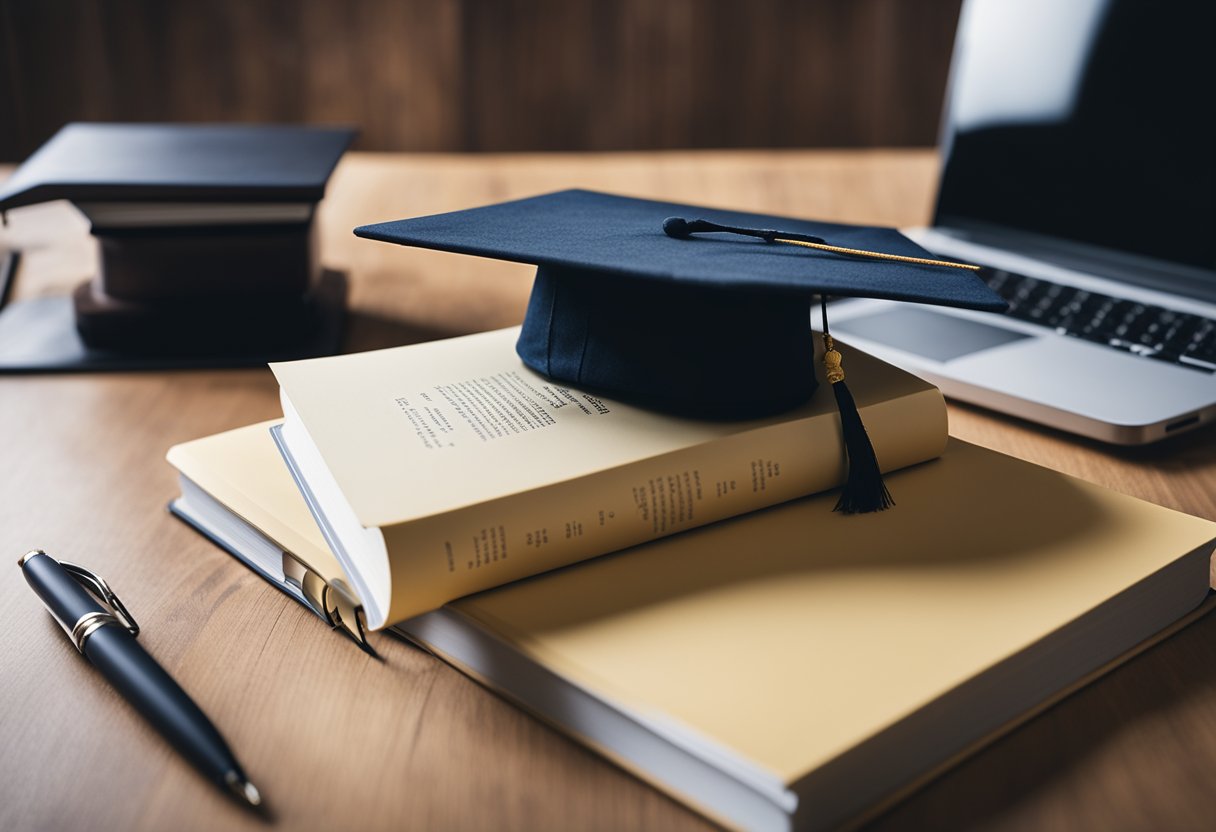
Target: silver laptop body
{"points": [[1078, 158]]}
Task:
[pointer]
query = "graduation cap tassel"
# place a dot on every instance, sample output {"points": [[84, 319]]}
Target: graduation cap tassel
{"points": [[864, 489]]}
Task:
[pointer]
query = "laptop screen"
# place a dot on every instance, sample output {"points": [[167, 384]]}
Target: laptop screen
{"points": [[1090, 121]]}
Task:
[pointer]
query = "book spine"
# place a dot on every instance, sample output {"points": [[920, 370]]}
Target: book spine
{"points": [[436, 559]]}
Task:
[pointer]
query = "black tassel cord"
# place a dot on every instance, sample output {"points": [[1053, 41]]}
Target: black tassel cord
{"points": [[864, 489]]}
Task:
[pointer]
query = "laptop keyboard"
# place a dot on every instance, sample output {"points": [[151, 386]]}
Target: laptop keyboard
{"points": [[1140, 328]]}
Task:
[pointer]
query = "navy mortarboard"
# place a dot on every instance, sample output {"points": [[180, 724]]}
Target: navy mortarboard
{"points": [[700, 312], [205, 231]]}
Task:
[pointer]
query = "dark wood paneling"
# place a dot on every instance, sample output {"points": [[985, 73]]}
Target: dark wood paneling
{"points": [[488, 75]]}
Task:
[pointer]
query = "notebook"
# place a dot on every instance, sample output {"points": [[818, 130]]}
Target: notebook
{"points": [[792, 668], [1096, 217]]}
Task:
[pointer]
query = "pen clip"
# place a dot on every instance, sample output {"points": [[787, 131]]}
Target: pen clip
{"points": [[97, 586]]}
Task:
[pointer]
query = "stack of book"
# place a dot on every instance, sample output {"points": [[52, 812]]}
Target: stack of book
{"points": [[679, 594]]}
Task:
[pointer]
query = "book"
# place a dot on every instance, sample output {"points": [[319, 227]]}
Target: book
{"points": [[442, 469], [111, 215], [207, 246], [233, 488], [791, 668]]}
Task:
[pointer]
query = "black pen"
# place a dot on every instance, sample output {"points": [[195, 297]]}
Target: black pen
{"points": [[107, 640]]}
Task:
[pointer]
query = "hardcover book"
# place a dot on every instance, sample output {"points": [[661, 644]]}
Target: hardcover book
{"points": [[791, 668]]}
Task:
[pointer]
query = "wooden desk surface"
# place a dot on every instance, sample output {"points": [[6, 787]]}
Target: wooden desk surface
{"points": [[337, 740]]}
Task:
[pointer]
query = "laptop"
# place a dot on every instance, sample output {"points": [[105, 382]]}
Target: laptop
{"points": [[1079, 165]]}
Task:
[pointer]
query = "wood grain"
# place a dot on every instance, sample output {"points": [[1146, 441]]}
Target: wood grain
{"points": [[338, 740], [487, 75]]}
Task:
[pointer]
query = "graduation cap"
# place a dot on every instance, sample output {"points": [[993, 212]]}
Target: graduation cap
{"points": [[205, 231], [699, 312]]}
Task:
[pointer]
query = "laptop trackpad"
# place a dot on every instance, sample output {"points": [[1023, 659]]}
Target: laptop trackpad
{"points": [[928, 334]]}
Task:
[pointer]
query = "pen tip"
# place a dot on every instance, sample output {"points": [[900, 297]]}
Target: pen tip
{"points": [[243, 789]]}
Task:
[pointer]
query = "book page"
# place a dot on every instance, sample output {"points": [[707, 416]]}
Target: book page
{"points": [[436, 559], [792, 635], [244, 471], [421, 430]]}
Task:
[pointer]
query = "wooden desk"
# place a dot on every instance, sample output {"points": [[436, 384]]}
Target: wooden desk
{"points": [[337, 740]]}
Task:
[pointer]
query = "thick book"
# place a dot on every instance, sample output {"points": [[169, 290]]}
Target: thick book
{"points": [[792, 668], [441, 469]]}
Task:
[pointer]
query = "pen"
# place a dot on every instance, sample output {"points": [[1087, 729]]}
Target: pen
{"points": [[107, 639]]}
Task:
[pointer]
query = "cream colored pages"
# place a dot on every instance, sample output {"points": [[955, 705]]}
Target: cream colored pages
{"points": [[479, 472], [793, 634], [418, 431], [243, 470], [437, 559]]}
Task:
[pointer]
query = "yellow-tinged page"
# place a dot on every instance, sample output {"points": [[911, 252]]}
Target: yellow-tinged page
{"points": [[242, 469], [479, 472], [793, 634], [425, 429]]}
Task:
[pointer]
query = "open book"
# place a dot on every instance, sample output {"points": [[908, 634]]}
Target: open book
{"points": [[791, 668], [443, 469]]}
